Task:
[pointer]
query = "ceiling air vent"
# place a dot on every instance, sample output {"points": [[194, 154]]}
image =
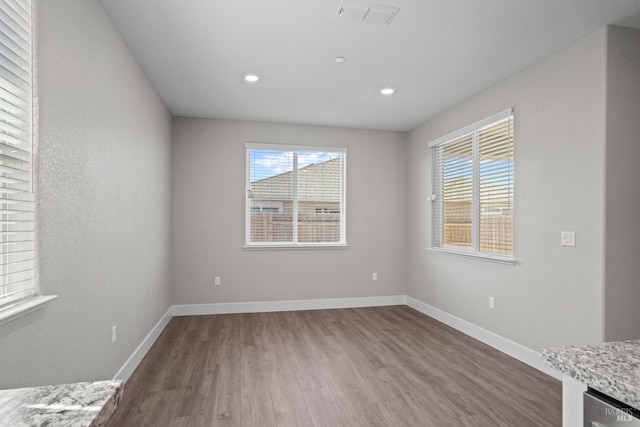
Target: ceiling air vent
{"points": [[363, 12]]}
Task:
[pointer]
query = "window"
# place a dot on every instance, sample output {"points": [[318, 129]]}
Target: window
{"points": [[472, 196], [18, 278], [295, 196], [17, 199]]}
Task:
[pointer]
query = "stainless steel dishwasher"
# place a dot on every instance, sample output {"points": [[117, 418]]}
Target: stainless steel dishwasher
{"points": [[601, 410]]}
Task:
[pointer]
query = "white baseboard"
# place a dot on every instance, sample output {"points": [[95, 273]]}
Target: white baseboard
{"points": [[134, 360], [295, 305], [513, 349]]}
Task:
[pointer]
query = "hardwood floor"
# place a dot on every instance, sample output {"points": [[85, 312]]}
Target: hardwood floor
{"points": [[382, 366]]}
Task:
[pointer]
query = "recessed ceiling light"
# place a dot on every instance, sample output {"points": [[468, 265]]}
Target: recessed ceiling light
{"points": [[251, 78], [340, 59], [387, 91]]}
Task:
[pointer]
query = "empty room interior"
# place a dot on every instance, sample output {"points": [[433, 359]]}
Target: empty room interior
{"points": [[319, 213]]}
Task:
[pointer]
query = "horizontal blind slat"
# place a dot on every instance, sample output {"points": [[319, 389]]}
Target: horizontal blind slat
{"points": [[15, 26], [13, 103], [14, 128], [21, 9], [16, 257]]}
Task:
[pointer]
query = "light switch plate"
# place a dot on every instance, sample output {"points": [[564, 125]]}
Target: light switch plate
{"points": [[568, 238]]}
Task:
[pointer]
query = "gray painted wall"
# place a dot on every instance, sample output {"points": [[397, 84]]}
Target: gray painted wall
{"points": [[554, 295], [104, 204], [208, 195], [622, 281]]}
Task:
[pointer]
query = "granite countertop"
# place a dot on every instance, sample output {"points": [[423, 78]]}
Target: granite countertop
{"points": [[612, 368], [67, 405]]}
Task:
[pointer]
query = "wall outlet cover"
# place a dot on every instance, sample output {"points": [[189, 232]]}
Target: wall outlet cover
{"points": [[568, 238]]}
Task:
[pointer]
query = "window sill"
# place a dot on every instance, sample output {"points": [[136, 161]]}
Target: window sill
{"points": [[293, 247], [491, 258], [19, 309]]}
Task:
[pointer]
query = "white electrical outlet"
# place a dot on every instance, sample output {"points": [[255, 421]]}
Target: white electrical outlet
{"points": [[492, 303], [568, 238], [374, 276], [113, 334], [217, 281]]}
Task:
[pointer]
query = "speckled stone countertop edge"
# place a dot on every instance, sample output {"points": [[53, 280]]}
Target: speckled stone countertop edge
{"points": [[109, 407], [86, 404], [567, 360]]}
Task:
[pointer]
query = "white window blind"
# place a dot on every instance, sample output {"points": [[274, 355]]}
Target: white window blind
{"points": [[473, 189], [295, 196], [17, 198]]}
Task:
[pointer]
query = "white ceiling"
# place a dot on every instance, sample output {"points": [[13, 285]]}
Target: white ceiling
{"points": [[436, 53]]}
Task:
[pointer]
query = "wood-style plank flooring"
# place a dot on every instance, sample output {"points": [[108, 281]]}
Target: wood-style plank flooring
{"points": [[382, 366]]}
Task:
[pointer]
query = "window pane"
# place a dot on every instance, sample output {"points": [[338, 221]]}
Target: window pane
{"points": [[295, 195], [458, 192], [271, 194], [319, 196], [496, 188]]}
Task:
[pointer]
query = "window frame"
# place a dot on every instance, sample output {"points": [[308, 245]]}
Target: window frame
{"points": [[437, 183], [251, 245]]}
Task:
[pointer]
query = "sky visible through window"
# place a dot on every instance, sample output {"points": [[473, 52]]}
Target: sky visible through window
{"points": [[268, 163], [466, 172]]}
